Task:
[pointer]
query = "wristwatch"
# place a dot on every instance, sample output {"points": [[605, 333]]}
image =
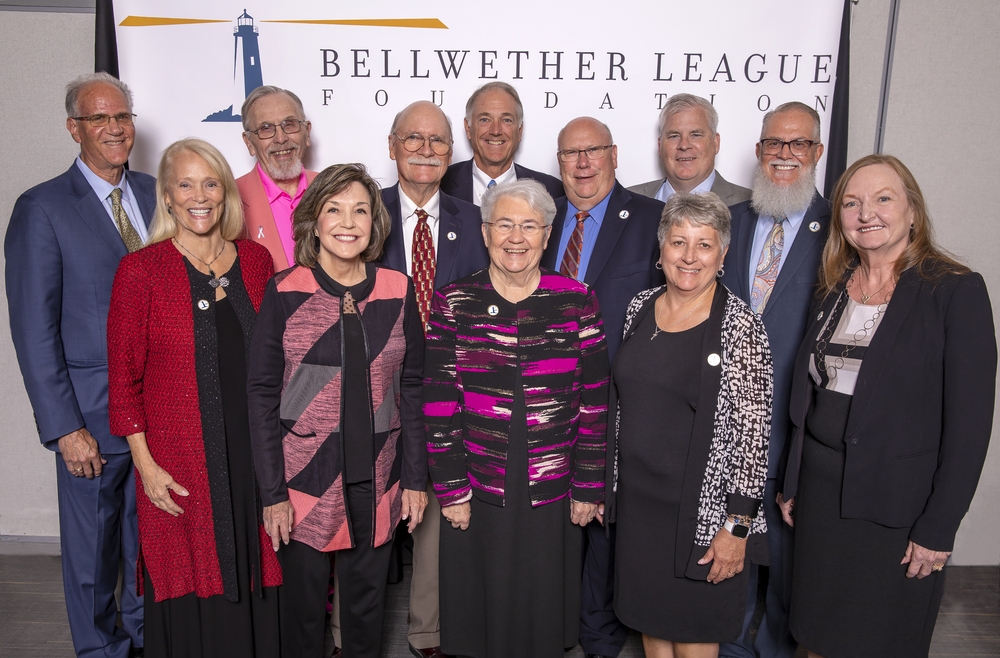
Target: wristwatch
{"points": [[737, 526]]}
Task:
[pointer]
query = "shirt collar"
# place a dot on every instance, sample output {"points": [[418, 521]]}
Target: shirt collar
{"points": [[667, 190], [484, 180], [597, 212], [274, 192], [407, 207], [101, 187]]}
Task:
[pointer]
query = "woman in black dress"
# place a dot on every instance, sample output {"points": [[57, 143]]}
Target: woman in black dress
{"points": [[892, 402], [692, 386]]}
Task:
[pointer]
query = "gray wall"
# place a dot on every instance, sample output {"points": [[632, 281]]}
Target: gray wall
{"points": [[940, 123]]}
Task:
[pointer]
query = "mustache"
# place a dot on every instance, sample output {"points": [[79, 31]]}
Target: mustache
{"points": [[786, 163], [417, 160]]}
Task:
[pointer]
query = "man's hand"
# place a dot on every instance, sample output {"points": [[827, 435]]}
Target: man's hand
{"points": [[413, 504], [278, 519], [81, 454]]}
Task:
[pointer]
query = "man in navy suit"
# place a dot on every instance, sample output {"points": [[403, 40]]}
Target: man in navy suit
{"points": [[617, 257], [783, 194], [494, 121], [63, 245], [420, 142]]}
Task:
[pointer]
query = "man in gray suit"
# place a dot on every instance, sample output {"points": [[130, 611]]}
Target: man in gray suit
{"points": [[688, 145]]}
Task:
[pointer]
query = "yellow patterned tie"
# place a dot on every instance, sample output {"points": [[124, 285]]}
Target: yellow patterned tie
{"points": [[129, 235]]}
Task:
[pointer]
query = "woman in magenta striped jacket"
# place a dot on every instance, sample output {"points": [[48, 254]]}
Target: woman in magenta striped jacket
{"points": [[515, 409]]}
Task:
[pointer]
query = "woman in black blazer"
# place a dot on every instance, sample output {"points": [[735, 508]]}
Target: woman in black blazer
{"points": [[892, 403]]}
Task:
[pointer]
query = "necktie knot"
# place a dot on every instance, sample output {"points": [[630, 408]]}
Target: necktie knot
{"points": [[492, 183]]}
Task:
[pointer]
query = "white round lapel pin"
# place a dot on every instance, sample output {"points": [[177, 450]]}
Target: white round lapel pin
{"points": [[452, 236], [623, 214], [714, 359], [203, 304], [493, 310], [814, 227]]}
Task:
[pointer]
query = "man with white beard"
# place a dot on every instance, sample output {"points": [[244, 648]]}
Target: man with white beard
{"points": [[276, 132], [772, 263]]}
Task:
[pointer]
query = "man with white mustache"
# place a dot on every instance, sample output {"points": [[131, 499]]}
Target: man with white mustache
{"points": [[275, 132], [772, 263], [436, 239]]}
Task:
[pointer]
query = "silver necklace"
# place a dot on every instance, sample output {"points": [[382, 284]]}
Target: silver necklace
{"points": [[859, 335], [215, 281], [656, 326]]}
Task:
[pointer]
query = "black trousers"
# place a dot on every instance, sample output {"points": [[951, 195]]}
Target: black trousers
{"points": [[361, 574]]}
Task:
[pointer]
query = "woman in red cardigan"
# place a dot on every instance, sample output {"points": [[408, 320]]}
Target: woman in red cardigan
{"points": [[181, 317]]}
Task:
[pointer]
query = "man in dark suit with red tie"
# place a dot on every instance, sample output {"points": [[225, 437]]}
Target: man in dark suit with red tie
{"points": [[494, 121], [605, 236]]}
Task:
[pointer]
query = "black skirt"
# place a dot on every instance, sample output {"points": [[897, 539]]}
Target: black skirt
{"points": [[510, 584], [192, 627], [850, 594], [658, 381]]}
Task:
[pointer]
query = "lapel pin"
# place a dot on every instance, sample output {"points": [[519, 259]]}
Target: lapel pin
{"points": [[260, 232], [623, 214], [714, 359], [452, 236], [814, 227], [493, 310], [819, 317], [203, 304]]}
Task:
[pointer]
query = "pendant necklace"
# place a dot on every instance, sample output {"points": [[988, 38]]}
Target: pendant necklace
{"points": [[864, 297], [657, 331], [215, 281]]}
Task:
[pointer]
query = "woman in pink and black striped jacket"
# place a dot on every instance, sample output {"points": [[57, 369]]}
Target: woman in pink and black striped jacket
{"points": [[515, 413]]}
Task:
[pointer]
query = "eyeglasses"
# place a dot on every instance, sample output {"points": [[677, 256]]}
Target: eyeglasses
{"points": [[269, 130], [593, 153], [415, 142], [528, 230], [101, 120], [797, 146]]}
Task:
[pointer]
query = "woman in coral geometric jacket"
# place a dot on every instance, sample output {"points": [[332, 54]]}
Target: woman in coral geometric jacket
{"points": [[182, 312]]}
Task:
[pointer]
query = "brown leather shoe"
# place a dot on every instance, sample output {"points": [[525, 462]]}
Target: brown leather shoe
{"points": [[433, 652]]}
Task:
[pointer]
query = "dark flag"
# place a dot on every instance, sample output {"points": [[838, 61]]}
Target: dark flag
{"points": [[836, 150], [105, 44]]}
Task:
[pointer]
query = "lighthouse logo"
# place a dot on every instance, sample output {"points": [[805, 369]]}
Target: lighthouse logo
{"points": [[246, 67]]}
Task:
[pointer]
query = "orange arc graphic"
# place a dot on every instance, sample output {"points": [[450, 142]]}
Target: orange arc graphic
{"points": [[147, 21], [432, 23]]}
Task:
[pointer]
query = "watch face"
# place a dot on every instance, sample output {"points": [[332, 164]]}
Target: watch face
{"points": [[741, 531]]}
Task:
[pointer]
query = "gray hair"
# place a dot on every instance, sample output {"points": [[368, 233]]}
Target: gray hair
{"points": [[698, 210], [681, 102], [261, 92], [495, 86], [399, 115], [788, 107], [76, 87], [525, 189]]}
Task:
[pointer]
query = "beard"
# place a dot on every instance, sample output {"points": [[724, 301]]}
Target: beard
{"points": [[287, 171], [780, 201]]}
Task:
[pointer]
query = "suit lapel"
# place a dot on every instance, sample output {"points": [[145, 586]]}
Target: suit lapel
{"points": [[611, 230], [395, 250], [805, 241], [145, 196], [877, 354], [93, 213], [447, 249], [748, 224], [552, 250]]}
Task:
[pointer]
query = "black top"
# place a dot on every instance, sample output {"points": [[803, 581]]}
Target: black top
{"points": [[355, 375]]}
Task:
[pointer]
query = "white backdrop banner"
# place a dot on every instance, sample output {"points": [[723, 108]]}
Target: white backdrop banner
{"points": [[191, 63]]}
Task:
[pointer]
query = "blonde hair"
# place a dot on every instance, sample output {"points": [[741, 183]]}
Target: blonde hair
{"points": [[164, 224], [840, 258]]}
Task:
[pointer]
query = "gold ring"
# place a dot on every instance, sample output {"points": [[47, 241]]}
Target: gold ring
{"points": [[937, 567]]}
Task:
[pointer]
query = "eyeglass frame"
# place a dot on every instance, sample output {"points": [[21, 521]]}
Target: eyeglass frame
{"points": [[426, 140], [520, 227], [122, 119], [563, 157], [781, 148], [284, 129]]}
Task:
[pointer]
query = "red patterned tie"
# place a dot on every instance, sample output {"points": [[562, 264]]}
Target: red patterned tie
{"points": [[571, 259], [423, 265]]}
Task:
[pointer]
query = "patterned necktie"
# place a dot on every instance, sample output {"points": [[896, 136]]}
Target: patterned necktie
{"points": [[491, 184], [423, 265], [129, 235], [767, 267], [571, 259]]}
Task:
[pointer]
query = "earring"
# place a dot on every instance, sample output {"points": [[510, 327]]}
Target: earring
{"points": [[657, 265], [722, 271]]}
